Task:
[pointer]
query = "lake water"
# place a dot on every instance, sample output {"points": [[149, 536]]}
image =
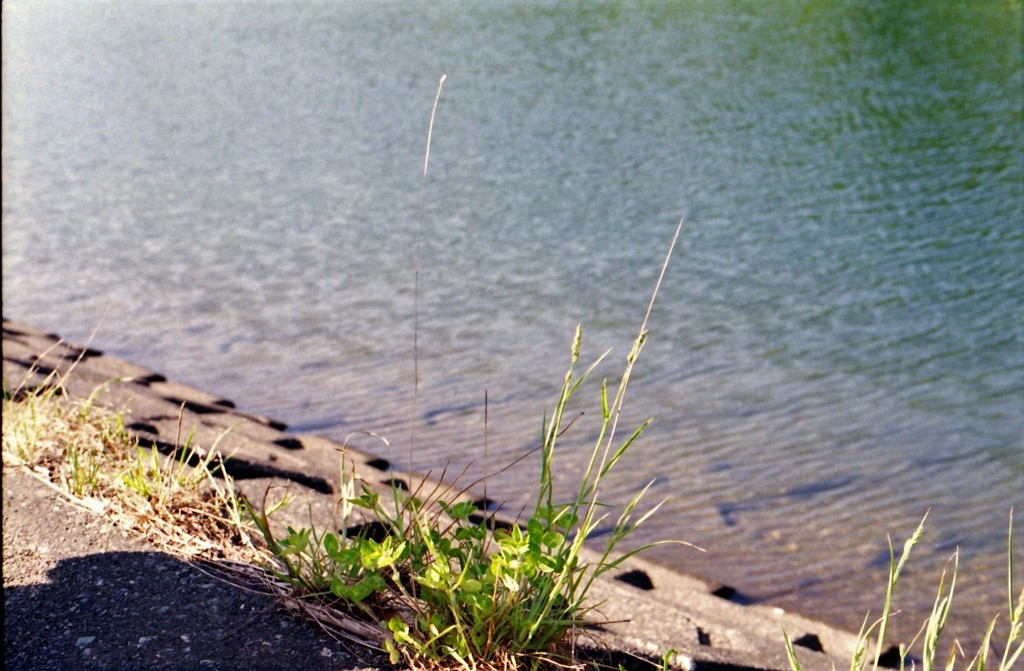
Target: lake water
{"points": [[229, 193]]}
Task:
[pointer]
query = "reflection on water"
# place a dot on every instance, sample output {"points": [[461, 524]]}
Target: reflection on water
{"points": [[230, 192]]}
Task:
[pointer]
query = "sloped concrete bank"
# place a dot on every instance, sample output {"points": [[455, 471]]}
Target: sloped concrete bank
{"points": [[57, 558]]}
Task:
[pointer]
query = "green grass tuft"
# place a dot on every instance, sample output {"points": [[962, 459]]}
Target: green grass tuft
{"points": [[931, 631], [86, 452]]}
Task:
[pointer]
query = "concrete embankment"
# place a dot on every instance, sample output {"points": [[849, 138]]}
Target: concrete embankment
{"points": [[71, 582]]}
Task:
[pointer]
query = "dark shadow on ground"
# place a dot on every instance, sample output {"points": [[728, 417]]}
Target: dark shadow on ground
{"points": [[145, 610]]}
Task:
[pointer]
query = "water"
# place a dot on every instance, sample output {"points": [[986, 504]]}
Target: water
{"points": [[230, 194]]}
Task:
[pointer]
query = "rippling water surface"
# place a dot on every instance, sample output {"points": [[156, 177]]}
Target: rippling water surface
{"points": [[230, 192]]}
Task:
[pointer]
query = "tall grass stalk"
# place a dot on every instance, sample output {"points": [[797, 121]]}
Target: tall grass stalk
{"points": [[416, 276]]}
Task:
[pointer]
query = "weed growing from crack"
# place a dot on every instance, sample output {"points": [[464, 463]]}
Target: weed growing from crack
{"points": [[439, 586], [446, 589]]}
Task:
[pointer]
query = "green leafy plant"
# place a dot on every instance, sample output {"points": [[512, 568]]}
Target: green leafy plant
{"points": [[932, 629], [445, 587]]}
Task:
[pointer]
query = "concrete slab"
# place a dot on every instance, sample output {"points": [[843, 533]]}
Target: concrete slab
{"points": [[646, 609]]}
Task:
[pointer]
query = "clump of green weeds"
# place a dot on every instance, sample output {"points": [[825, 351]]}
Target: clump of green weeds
{"points": [[447, 589], [932, 629], [454, 588]]}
